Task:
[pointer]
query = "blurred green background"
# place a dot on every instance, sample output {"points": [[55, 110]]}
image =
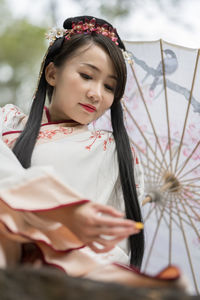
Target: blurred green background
{"points": [[24, 23]]}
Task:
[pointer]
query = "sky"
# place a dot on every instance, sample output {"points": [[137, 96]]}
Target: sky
{"points": [[179, 25]]}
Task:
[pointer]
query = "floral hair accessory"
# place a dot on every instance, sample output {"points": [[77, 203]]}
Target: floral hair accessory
{"points": [[54, 33], [81, 27]]}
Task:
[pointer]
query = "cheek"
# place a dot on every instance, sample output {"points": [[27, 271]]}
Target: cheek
{"points": [[108, 102], [69, 82]]}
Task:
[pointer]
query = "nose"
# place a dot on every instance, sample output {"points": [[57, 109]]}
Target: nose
{"points": [[94, 93]]}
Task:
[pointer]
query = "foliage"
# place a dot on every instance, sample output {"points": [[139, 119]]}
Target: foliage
{"points": [[22, 47], [114, 9]]}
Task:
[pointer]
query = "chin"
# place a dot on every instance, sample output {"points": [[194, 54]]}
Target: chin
{"points": [[84, 121]]}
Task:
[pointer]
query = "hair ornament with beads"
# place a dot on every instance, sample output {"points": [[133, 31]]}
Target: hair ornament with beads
{"points": [[81, 27]]}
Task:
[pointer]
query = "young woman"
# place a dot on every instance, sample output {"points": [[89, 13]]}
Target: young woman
{"points": [[68, 195]]}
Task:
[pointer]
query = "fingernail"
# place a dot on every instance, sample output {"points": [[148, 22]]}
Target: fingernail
{"points": [[139, 225]]}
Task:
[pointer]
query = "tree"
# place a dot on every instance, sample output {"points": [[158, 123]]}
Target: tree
{"points": [[22, 47]]}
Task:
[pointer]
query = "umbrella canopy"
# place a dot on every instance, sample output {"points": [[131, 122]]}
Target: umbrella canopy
{"points": [[162, 116]]}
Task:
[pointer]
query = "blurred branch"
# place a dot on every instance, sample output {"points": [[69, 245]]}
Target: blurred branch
{"points": [[22, 47], [53, 8], [110, 10]]}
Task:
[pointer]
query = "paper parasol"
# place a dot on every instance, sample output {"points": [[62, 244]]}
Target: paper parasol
{"points": [[162, 116]]}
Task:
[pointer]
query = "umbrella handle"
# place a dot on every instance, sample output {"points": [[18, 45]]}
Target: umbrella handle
{"points": [[146, 200]]}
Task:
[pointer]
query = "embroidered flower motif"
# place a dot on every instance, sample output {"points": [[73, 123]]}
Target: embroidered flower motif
{"points": [[49, 134], [11, 110], [98, 135], [9, 142]]}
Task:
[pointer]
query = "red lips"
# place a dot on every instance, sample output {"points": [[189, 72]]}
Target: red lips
{"points": [[88, 107]]}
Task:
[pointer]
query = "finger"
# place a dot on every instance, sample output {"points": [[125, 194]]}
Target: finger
{"points": [[110, 221], [108, 243], [116, 231], [96, 249], [106, 209], [108, 233]]}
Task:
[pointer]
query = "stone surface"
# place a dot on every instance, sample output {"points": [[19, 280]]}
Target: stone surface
{"points": [[50, 284]]}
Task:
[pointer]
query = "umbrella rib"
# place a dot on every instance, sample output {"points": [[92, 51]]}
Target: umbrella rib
{"points": [[150, 169], [147, 111], [191, 179], [193, 192], [159, 179], [183, 219], [149, 213], [193, 185], [166, 104], [142, 134], [156, 213], [144, 154], [187, 160], [187, 112], [160, 167], [190, 171], [170, 235], [186, 246], [192, 209], [174, 212], [154, 238], [151, 172]]}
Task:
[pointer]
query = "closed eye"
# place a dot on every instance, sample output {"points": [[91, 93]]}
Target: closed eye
{"points": [[110, 88], [85, 76]]}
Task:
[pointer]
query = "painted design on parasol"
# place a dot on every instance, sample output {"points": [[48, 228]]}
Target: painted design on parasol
{"points": [[162, 116]]}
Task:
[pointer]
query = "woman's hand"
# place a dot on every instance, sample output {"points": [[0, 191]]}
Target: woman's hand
{"points": [[94, 223]]}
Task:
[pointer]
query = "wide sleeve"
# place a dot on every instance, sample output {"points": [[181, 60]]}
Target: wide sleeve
{"points": [[24, 195], [11, 119]]}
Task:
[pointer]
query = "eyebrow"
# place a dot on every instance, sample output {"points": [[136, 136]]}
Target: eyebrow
{"points": [[98, 70]]}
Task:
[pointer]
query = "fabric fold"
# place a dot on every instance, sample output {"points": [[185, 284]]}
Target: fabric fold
{"points": [[69, 167]]}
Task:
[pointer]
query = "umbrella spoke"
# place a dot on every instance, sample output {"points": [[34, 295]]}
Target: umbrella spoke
{"points": [[148, 169], [192, 209], [151, 209], [141, 151], [193, 185], [187, 113], [191, 179], [168, 145], [170, 236], [174, 213], [166, 105], [149, 174], [147, 111], [142, 134], [197, 166], [159, 178], [154, 237], [187, 160], [193, 192], [161, 166], [156, 213], [186, 246]]}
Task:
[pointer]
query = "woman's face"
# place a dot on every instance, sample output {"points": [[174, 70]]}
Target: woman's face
{"points": [[84, 87]]}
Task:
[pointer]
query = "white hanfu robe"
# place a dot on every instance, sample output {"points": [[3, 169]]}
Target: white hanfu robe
{"points": [[70, 165]]}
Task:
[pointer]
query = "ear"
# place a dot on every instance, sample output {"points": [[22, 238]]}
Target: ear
{"points": [[51, 74]]}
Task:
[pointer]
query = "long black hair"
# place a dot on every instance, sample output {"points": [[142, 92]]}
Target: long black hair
{"points": [[58, 52]]}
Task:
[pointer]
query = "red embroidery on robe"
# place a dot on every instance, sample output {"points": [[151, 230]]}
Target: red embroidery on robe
{"points": [[9, 142], [134, 156], [16, 112], [49, 134], [98, 135]]}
